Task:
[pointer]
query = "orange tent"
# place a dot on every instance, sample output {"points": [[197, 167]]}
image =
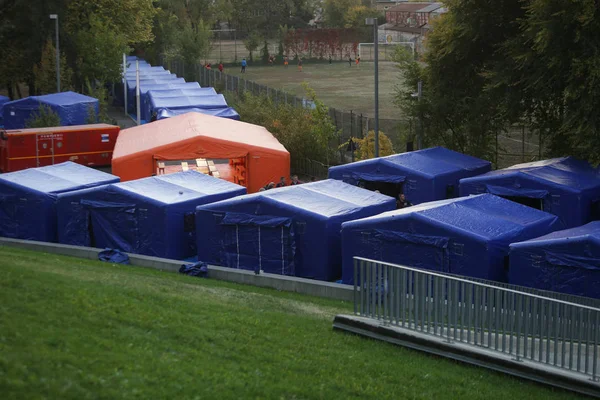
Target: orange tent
{"points": [[255, 156]]}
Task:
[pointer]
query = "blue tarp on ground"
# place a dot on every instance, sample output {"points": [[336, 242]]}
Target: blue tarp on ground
{"points": [[3, 100], [567, 187], [72, 108], [466, 236], [566, 261], [217, 112], [293, 230], [424, 175], [27, 198], [152, 216], [168, 93]]}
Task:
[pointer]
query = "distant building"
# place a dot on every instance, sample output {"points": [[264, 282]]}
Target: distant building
{"points": [[384, 5], [409, 22]]}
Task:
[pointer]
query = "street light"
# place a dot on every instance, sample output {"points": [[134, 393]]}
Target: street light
{"points": [[373, 21], [55, 18]]}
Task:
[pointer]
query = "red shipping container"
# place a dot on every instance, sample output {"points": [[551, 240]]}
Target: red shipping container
{"points": [[89, 145]]}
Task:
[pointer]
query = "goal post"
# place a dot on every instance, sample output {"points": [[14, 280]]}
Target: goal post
{"points": [[386, 50]]}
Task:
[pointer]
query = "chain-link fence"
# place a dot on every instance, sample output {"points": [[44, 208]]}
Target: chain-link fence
{"points": [[515, 145]]}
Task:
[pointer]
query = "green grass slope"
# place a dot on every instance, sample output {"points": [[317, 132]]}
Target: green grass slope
{"points": [[79, 329]]}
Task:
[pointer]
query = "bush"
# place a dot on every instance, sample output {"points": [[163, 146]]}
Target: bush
{"points": [[304, 132], [366, 146], [44, 118]]}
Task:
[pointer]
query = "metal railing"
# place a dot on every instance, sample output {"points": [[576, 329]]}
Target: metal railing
{"points": [[311, 168], [523, 325]]}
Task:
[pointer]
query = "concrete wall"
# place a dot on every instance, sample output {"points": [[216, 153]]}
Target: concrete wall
{"points": [[285, 283]]}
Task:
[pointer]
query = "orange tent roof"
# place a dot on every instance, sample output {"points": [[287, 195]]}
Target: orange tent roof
{"points": [[195, 135]]}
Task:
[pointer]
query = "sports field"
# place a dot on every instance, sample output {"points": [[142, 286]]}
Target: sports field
{"points": [[81, 329], [338, 85]]}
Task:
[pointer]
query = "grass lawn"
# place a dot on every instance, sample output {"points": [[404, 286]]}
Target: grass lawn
{"points": [[337, 85], [78, 329]]}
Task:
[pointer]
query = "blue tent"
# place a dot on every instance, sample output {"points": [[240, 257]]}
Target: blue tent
{"points": [[566, 261], [177, 103], [293, 230], [566, 187], [228, 112], [152, 216], [28, 197], [72, 108], [3, 100], [169, 93], [424, 175], [161, 80], [465, 236]]}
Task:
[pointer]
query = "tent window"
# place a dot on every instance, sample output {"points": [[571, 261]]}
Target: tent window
{"points": [[538, 204], [457, 249], [387, 188], [189, 222]]}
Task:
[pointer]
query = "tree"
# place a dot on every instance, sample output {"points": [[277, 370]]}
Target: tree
{"points": [[131, 18], [366, 146], [45, 71], [43, 118], [252, 43], [459, 109], [355, 16], [265, 53], [195, 41], [335, 11], [100, 52]]}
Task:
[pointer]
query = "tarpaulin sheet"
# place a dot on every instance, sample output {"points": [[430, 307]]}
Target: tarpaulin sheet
{"points": [[3, 100], [194, 135], [160, 80], [166, 93], [176, 103], [294, 230], [153, 216], [72, 108], [566, 261], [425, 175], [466, 236], [567, 187], [27, 198], [217, 112]]}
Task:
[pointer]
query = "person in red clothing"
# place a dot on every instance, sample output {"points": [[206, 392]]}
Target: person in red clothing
{"points": [[208, 66], [221, 67]]}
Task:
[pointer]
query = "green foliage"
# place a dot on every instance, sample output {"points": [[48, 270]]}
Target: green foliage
{"points": [[99, 92], [366, 146], [355, 16], [252, 43], [45, 71], [304, 132], [43, 118], [335, 11], [488, 67], [195, 41], [100, 51], [131, 18], [265, 53]]}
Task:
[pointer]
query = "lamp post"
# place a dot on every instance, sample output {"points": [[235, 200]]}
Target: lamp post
{"points": [[373, 21], [55, 18]]}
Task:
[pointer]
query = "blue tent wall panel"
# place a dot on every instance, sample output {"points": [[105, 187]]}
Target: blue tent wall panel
{"points": [[293, 230], [567, 187], [466, 236], [566, 261], [152, 216], [28, 197], [425, 175], [72, 108]]}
